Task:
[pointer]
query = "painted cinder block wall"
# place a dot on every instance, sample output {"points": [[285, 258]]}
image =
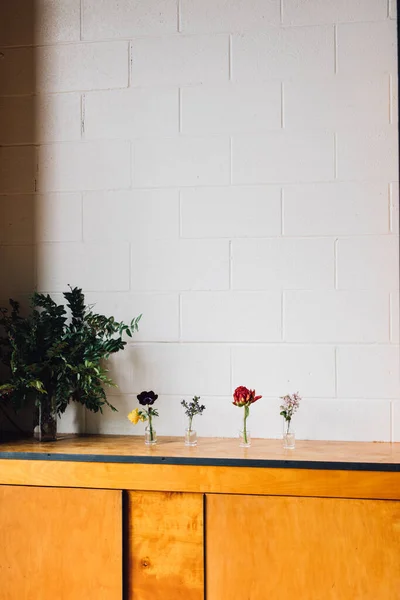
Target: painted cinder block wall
{"points": [[228, 169]]}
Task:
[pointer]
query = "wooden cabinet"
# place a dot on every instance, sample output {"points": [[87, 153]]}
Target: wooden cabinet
{"points": [[307, 548], [107, 518], [164, 546], [60, 544]]}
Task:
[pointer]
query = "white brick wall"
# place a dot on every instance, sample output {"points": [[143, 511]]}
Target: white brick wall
{"points": [[127, 18], [231, 108], [231, 212], [197, 16], [337, 208], [181, 161], [337, 102], [283, 156], [283, 53], [367, 47], [179, 60], [84, 166], [71, 67], [282, 263], [131, 113], [228, 169], [307, 12]]}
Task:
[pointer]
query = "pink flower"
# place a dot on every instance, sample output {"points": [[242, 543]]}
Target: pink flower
{"points": [[290, 405], [244, 397]]}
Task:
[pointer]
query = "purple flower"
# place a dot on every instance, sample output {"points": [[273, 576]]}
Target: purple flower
{"points": [[147, 398]]}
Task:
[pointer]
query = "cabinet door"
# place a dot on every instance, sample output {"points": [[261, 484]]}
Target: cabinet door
{"points": [[165, 546], [261, 547], [60, 543]]}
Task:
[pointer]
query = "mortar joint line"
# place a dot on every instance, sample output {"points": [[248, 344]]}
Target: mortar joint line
{"points": [[281, 11], [83, 115], [178, 16], [81, 21], [129, 64]]}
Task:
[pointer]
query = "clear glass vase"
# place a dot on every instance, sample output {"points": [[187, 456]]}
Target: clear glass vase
{"points": [[45, 424], [190, 437], [150, 436], [244, 438], [289, 437]]}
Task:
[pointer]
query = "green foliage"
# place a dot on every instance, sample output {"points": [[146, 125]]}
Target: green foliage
{"points": [[49, 354]]}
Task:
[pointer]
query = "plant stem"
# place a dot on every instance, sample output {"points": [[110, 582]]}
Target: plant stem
{"points": [[190, 423], [288, 426], [150, 424], [246, 414]]}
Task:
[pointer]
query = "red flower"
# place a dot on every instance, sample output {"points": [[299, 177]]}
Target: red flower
{"points": [[244, 397]]}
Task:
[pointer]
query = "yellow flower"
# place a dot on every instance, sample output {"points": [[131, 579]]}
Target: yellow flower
{"points": [[134, 416]]}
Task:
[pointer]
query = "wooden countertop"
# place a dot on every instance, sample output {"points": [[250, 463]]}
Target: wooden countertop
{"points": [[224, 452]]}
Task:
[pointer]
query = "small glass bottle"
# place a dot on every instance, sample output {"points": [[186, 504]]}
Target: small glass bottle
{"points": [[244, 438], [289, 437], [190, 437], [150, 436]]}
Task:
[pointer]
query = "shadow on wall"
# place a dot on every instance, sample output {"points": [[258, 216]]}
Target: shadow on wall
{"points": [[18, 169]]}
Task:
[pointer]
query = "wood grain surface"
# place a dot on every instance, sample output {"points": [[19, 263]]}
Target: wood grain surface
{"points": [[165, 546], [220, 448], [203, 479], [305, 548], [282, 478], [60, 544]]}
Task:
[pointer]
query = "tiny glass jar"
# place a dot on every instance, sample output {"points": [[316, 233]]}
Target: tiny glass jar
{"points": [[244, 438], [150, 436], [190, 437], [289, 439]]}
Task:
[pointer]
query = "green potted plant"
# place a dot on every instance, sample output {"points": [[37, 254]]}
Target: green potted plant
{"points": [[55, 356]]}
